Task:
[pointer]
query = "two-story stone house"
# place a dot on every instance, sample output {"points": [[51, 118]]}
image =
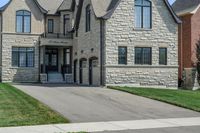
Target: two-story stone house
{"points": [[90, 42]]}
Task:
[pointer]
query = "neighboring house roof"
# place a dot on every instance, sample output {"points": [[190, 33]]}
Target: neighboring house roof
{"points": [[183, 7], [66, 5]]}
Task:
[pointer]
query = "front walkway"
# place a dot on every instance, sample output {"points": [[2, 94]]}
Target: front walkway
{"points": [[114, 126], [95, 104]]}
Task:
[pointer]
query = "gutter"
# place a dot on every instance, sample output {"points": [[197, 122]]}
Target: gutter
{"points": [[102, 52]]}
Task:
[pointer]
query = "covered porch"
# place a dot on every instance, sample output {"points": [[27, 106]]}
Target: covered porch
{"points": [[56, 64]]}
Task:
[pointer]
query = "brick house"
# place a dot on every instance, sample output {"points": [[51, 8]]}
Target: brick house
{"points": [[90, 42], [189, 34]]}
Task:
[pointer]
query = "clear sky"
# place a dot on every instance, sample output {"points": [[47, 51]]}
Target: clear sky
{"points": [[3, 2]]}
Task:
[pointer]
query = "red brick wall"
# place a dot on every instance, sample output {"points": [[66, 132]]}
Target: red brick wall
{"points": [[195, 26], [189, 34], [186, 41]]}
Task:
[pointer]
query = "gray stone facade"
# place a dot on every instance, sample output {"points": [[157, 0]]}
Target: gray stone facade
{"points": [[18, 74], [120, 31]]}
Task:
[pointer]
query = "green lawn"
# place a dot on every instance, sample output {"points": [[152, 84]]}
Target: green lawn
{"points": [[183, 98], [19, 109]]}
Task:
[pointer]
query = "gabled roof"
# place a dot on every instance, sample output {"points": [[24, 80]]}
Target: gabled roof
{"points": [[36, 2], [66, 5], [183, 7], [51, 6], [45, 6], [105, 8]]}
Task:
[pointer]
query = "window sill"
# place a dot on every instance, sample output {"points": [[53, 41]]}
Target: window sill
{"points": [[23, 33], [141, 66], [22, 67], [141, 29]]}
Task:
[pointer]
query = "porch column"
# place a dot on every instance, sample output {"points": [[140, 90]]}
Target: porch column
{"points": [[44, 65]]}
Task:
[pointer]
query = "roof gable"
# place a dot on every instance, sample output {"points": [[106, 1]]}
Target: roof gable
{"points": [[36, 2], [66, 5], [105, 8]]}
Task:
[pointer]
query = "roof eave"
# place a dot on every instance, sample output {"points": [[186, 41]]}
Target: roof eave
{"points": [[177, 20]]}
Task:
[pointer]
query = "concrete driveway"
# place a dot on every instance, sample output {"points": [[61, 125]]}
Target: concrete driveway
{"points": [[95, 104]]}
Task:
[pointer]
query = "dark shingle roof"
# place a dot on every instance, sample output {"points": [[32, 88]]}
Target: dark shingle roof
{"points": [[50, 5], [182, 5], [66, 5]]}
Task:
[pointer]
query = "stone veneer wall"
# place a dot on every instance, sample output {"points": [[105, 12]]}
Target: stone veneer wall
{"points": [[120, 31], [87, 41], [15, 74]]}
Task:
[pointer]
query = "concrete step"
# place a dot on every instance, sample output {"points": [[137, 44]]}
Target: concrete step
{"points": [[55, 78]]}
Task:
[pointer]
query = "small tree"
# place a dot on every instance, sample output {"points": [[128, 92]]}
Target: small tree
{"points": [[198, 59]]}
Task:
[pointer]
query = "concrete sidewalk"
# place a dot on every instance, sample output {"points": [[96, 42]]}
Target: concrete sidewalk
{"points": [[107, 126]]}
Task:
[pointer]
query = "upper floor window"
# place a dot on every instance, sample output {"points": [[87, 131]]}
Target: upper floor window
{"points": [[88, 18], [143, 15], [23, 21], [66, 26], [50, 25]]}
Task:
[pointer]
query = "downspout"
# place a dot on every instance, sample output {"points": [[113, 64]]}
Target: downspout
{"points": [[1, 43], [181, 51], [102, 53]]}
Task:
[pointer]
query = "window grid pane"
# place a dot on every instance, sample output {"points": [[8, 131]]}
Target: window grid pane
{"points": [[19, 23], [23, 22], [22, 57], [147, 17], [122, 55], [143, 56], [138, 17], [27, 22], [143, 14], [163, 56]]}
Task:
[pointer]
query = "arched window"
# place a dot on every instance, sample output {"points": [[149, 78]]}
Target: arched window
{"points": [[23, 21], [88, 18], [143, 14]]}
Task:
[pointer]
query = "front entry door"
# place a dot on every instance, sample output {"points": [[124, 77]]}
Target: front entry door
{"points": [[75, 65], [90, 72], [52, 60], [81, 72]]}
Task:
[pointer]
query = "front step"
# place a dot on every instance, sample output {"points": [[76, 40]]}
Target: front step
{"points": [[55, 78]]}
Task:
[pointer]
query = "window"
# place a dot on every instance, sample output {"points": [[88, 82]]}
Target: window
{"points": [[66, 24], [163, 56], [122, 55], [22, 57], [143, 15], [68, 60], [143, 56], [88, 18], [23, 21], [50, 25]]}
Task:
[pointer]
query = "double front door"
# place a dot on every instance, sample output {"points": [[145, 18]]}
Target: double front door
{"points": [[51, 60]]}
